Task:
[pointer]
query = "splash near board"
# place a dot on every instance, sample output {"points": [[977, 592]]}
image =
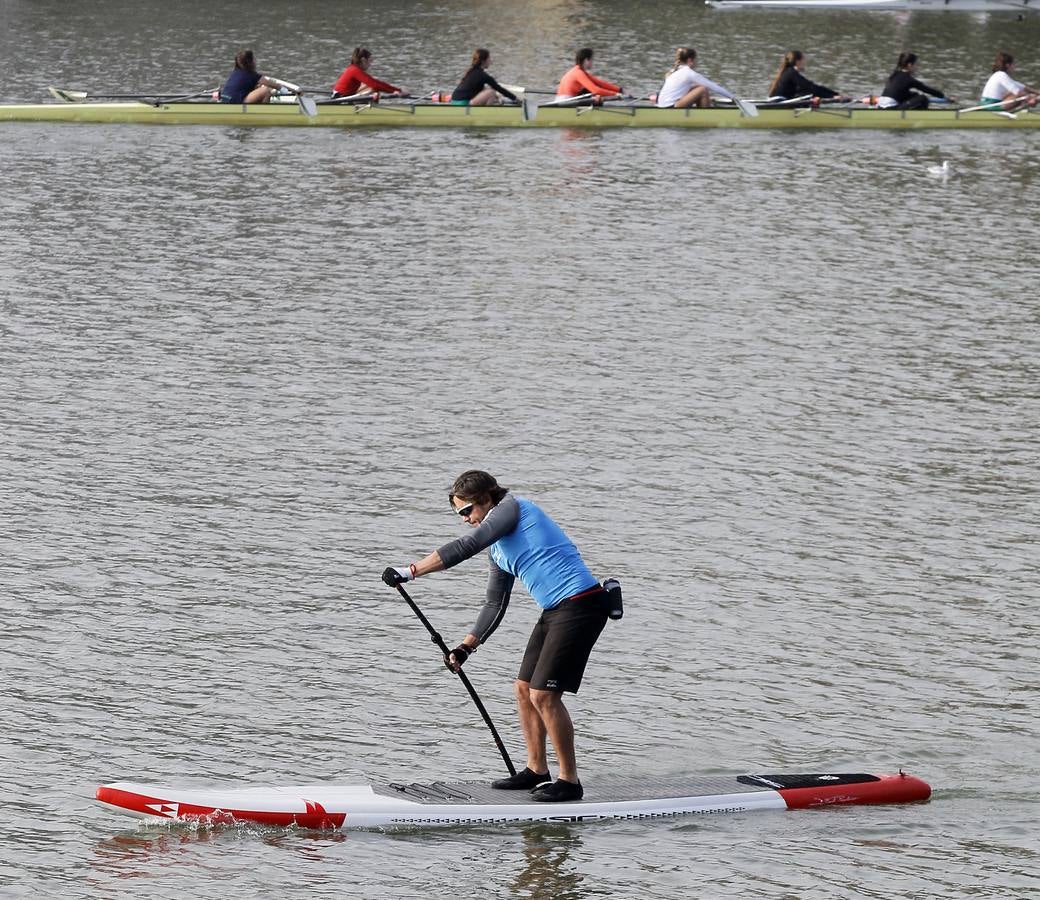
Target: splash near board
{"points": [[460, 803]]}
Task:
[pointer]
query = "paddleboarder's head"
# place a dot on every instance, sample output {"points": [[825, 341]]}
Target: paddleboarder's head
{"points": [[474, 494]]}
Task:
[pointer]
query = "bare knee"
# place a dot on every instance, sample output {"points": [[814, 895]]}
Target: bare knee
{"points": [[545, 701], [522, 690]]}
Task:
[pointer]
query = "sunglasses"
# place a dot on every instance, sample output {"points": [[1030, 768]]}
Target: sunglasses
{"points": [[462, 510]]}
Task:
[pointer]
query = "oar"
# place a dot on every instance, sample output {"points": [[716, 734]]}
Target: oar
{"points": [[997, 108], [307, 106], [439, 641], [746, 107], [81, 96]]}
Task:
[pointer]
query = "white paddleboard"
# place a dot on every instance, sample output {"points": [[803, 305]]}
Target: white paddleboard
{"points": [[460, 803]]}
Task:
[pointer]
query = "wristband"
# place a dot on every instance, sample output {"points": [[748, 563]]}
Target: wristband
{"points": [[411, 568]]}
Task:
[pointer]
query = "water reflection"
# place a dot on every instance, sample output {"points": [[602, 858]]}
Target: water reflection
{"points": [[548, 869]]}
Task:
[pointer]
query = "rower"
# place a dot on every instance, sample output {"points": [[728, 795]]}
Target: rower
{"points": [[685, 87], [477, 87], [903, 90], [579, 80], [245, 84], [355, 79], [1003, 91], [790, 81]]}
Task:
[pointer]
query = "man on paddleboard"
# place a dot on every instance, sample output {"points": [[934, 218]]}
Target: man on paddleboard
{"points": [[523, 542]]}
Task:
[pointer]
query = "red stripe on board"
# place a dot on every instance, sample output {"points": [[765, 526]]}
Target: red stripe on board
{"points": [[314, 817], [890, 789]]}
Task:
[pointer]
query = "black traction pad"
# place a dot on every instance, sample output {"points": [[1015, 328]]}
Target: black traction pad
{"points": [[599, 790], [784, 782]]}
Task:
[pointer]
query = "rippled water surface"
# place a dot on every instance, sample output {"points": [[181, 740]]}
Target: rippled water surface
{"points": [[784, 386]]}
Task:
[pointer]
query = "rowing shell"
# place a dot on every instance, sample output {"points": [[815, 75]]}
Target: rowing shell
{"points": [[420, 115], [461, 803]]}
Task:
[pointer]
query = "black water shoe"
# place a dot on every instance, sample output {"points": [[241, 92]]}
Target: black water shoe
{"points": [[522, 781], [558, 791]]}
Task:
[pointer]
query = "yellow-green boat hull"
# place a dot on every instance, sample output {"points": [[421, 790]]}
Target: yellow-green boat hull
{"points": [[387, 115]]}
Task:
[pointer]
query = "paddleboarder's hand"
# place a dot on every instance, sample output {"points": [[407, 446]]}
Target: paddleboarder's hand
{"points": [[394, 577], [457, 657]]}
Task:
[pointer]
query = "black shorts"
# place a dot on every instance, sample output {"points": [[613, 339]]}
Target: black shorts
{"points": [[561, 642]]}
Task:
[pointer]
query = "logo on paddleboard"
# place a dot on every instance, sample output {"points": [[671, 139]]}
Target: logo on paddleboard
{"points": [[166, 810]]}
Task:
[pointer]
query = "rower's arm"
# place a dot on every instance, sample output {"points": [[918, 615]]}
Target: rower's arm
{"points": [[712, 86], [490, 81]]}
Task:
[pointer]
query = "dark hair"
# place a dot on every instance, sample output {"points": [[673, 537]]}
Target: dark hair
{"points": [[791, 59], [583, 55], [906, 58], [245, 59], [683, 56], [480, 56], [359, 54], [1003, 60], [475, 484]]}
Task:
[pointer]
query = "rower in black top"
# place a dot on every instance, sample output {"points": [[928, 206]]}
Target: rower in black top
{"points": [[477, 87], [903, 90], [790, 81]]}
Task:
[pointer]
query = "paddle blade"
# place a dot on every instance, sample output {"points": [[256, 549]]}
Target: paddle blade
{"points": [[307, 106], [747, 108], [530, 108]]}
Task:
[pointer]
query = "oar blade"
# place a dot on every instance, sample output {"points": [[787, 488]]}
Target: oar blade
{"points": [[307, 106], [67, 96], [746, 107]]}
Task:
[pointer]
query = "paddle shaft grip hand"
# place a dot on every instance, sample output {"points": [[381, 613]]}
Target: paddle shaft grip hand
{"points": [[458, 657], [393, 576]]}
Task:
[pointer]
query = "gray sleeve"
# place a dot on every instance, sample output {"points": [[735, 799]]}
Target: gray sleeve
{"points": [[499, 522], [500, 583]]}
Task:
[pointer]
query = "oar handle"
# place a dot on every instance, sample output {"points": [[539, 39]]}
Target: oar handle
{"points": [[439, 641]]}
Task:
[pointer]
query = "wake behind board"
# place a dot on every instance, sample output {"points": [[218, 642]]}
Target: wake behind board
{"points": [[468, 802]]}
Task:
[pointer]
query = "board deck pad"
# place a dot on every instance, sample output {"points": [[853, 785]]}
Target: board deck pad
{"points": [[611, 789]]}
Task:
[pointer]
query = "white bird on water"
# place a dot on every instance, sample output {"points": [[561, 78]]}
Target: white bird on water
{"points": [[944, 171]]}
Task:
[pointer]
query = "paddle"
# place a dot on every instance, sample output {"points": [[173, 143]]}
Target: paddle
{"points": [[439, 641], [307, 106]]}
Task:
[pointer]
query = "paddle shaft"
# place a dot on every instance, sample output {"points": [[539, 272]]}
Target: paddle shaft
{"points": [[439, 641]]}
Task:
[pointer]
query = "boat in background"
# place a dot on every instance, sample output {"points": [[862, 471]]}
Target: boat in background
{"points": [[434, 115], [1013, 6]]}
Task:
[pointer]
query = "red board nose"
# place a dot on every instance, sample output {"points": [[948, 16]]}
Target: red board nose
{"points": [[898, 788]]}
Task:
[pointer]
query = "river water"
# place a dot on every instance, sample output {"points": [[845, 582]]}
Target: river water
{"points": [[784, 386]]}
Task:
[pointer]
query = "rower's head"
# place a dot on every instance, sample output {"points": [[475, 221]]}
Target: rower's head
{"points": [[474, 494], [360, 57], [793, 59], [583, 57], [907, 60], [1003, 62], [245, 59], [481, 57], [685, 56]]}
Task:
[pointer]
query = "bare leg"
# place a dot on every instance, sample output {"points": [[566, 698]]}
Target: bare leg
{"points": [[487, 97], [532, 726], [556, 721], [260, 94], [697, 96]]}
